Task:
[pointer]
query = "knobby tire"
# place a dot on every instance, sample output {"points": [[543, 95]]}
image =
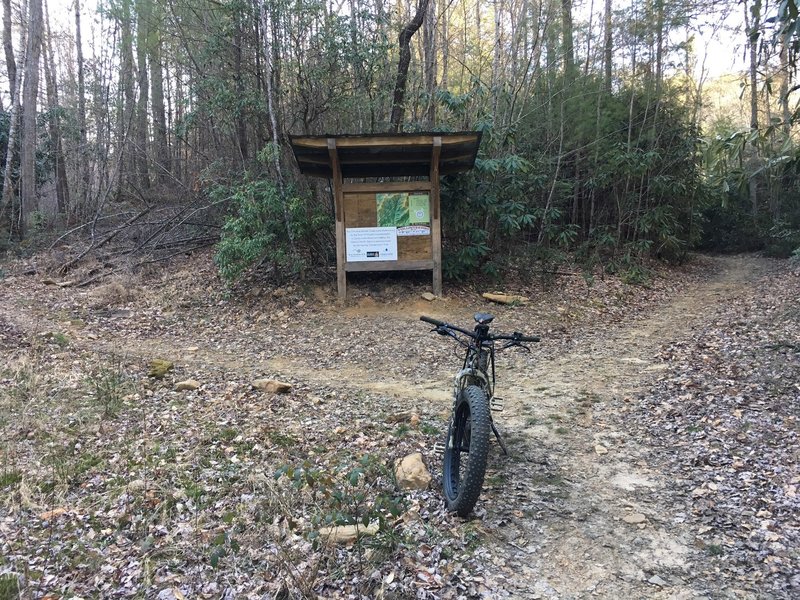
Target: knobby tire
{"points": [[467, 440]]}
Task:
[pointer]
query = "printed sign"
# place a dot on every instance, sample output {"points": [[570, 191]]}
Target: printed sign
{"points": [[419, 209], [371, 243], [409, 212]]}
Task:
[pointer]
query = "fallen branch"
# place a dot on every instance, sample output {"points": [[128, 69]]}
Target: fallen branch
{"points": [[93, 246]]}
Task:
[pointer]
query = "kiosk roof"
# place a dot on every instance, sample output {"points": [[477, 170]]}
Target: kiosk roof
{"points": [[386, 155]]}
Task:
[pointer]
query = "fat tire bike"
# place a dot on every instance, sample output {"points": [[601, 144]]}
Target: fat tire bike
{"points": [[466, 448]]}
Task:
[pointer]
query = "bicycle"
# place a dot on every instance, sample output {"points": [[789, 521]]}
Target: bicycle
{"points": [[466, 447]]}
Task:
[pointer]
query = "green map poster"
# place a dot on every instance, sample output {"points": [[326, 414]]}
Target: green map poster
{"points": [[419, 209], [410, 213]]}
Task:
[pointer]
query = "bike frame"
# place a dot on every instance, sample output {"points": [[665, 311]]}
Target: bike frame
{"points": [[471, 421], [470, 372]]}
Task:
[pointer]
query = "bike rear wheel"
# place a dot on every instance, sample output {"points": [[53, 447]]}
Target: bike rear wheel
{"points": [[466, 450]]}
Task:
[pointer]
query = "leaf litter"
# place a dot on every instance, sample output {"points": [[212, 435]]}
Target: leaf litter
{"points": [[128, 486]]}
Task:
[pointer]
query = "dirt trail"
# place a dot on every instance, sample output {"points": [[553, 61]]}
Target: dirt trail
{"points": [[609, 532]]}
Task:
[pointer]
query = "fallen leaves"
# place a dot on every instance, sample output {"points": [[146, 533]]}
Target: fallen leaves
{"points": [[723, 423]]}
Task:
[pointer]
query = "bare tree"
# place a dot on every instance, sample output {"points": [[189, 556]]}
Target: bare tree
{"points": [[752, 23], [30, 90], [54, 122], [83, 163], [11, 63], [403, 63]]}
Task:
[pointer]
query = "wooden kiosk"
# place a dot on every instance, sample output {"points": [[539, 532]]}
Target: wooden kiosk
{"points": [[389, 219]]}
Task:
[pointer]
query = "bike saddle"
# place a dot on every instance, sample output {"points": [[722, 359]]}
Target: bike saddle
{"points": [[483, 318]]}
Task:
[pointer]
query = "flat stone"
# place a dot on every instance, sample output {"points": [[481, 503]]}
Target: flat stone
{"points": [[411, 473], [635, 518], [347, 534], [188, 385], [272, 386], [600, 449], [428, 296], [656, 580]]}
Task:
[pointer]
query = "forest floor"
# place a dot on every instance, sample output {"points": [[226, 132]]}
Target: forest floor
{"points": [[653, 439]]}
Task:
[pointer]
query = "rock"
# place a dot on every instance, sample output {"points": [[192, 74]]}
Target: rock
{"points": [[188, 385], [137, 485], [300, 304], [428, 296], [159, 368], [505, 298], [272, 386], [52, 514], [656, 580], [402, 417], [635, 518], [411, 473], [599, 449], [347, 534]]}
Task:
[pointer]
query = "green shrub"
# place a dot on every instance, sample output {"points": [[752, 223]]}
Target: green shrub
{"points": [[256, 230], [782, 241]]}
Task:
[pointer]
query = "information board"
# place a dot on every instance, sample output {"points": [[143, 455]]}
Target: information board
{"points": [[371, 243]]}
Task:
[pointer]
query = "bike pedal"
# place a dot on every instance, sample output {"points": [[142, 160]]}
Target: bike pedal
{"points": [[438, 448], [497, 404]]}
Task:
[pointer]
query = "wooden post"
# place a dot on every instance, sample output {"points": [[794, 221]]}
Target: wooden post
{"points": [[436, 227], [338, 201]]}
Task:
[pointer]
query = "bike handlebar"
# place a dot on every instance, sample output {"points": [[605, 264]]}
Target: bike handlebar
{"points": [[432, 321], [514, 337]]}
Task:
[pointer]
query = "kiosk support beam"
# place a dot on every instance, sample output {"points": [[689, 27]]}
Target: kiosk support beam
{"points": [[338, 201], [436, 224]]}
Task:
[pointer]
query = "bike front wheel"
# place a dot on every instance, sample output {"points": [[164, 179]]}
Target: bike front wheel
{"points": [[466, 450]]}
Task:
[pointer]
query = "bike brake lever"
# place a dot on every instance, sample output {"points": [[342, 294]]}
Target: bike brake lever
{"points": [[517, 345]]}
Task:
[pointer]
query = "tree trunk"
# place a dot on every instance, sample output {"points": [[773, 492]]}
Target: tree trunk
{"points": [[403, 63], [568, 46], [429, 46], [659, 45], [83, 147], [785, 75], [8, 46], [160, 128], [445, 47], [30, 91], [143, 10], [752, 22], [608, 47], [54, 123], [13, 128], [126, 103], [241, 125], [267, 25], [498, 31]]}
